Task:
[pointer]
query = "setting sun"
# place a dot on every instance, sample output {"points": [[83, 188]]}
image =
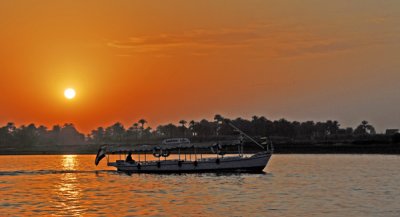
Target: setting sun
{"points": [[69, 93]]}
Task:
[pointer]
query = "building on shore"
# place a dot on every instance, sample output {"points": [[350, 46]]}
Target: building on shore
{"points": [[391, 132]]}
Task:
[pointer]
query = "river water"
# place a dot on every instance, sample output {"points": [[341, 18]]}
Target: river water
{"points": [[293, 185]]}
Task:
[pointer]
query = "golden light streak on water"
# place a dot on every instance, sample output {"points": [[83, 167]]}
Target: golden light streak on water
{"points": [[69, 193], [69, 162]]}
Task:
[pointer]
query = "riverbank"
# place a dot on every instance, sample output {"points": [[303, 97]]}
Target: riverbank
{"points": [[284, 148]]}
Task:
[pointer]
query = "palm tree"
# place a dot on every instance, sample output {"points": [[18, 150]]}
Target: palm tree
{"points": [[218, 118], [11, 127], [142, 122], [192, 124], [365, 128], [183, 123]]}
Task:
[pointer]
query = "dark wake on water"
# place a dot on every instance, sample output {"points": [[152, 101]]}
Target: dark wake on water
{"points": [[293, 185]]}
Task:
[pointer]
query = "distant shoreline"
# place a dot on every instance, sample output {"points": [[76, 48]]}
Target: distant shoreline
{"points": [[33, 154], [285, 148]]}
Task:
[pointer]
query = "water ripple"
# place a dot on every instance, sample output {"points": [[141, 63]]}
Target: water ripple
{"points": [[47, 172], [293, 185]]}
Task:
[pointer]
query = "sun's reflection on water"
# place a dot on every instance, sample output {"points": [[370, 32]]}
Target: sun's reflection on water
{"points": [[69, 193], [69, 162]]}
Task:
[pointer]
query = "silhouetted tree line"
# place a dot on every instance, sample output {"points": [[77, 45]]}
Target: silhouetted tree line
{"points": [[204, 130], [31, 135]]}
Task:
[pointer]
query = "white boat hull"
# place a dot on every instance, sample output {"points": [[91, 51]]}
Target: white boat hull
{"points": [[254, 163]]}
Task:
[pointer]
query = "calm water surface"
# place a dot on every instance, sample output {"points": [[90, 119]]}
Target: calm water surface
{"points": [[293, 185]]}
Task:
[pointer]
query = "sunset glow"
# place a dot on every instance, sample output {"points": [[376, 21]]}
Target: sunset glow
{"points": [[310, 60], [200, 108]]}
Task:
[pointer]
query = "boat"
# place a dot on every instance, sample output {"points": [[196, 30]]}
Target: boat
{"points": [[188, 157]]}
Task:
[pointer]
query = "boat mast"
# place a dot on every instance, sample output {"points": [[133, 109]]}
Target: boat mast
{"points": [[242, 133]]}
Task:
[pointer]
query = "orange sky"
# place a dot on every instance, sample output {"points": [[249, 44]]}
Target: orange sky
{"points": [[166, 61]]}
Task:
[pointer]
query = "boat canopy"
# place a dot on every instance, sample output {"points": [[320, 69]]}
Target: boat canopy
{"points": [[123, 148]]}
